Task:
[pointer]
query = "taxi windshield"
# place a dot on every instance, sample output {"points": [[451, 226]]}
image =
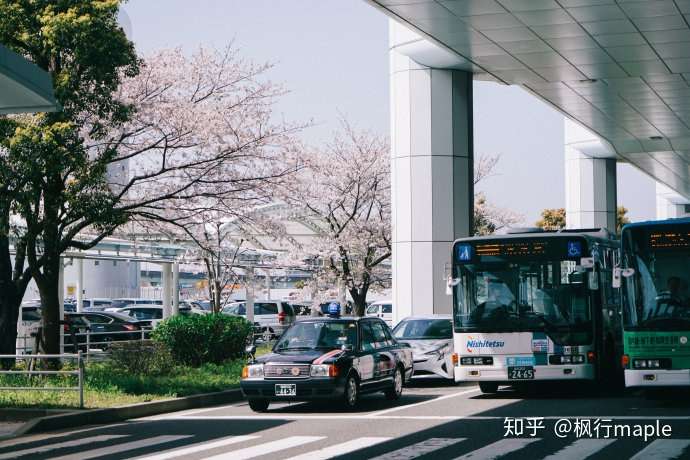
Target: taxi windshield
{"points": [[313, 335]]}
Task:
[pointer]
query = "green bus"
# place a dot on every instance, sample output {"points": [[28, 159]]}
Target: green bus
{"points": [[654, 276]]}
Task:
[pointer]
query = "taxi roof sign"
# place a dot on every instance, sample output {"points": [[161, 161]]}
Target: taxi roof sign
{"points": [[333, 309]]}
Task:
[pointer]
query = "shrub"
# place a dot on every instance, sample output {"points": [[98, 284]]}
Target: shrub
{"points": [[142, 357], [197, 339]]}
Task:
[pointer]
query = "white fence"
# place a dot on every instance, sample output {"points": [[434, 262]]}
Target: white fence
{"points": [[30, 371]]}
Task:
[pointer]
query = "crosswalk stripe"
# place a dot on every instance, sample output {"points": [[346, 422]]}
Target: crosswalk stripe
{"points": [[582, 448], [119, 448], [419, 449], [199, 447], [340, 449], [60, 445], [663, 449], [498, 449], [267, 448]]}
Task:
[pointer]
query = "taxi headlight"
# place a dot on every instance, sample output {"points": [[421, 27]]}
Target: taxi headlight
{"points": [[323, 370], [253, 371]]}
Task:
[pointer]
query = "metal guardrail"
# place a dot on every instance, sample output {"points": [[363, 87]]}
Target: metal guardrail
{"points": [[92, 346], [79, 373]]}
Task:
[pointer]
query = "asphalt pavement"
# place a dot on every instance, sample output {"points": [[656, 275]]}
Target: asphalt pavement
{"points": [[433, 420]]}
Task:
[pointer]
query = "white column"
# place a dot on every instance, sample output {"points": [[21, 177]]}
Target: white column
{"points": [[669, 204], [80, 284], [176, 288], [432, 186], [166, 278], [267, 280], [249, 289], [590, 192], [61, 300]]}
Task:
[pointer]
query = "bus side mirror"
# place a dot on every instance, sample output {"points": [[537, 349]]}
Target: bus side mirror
{"points": [[451, 282], [616, 280], [593, 281]]}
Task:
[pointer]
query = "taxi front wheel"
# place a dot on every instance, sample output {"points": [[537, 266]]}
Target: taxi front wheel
{"points": [[259, 405], [351, 392]]}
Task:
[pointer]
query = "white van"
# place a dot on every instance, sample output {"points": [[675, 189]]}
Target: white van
{"points": [[381, 309], [273, 316], [27, 325]]}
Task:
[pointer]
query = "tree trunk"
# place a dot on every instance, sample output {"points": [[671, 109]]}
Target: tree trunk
{"points": [[9, 314], [359, 297], [48, 285]]}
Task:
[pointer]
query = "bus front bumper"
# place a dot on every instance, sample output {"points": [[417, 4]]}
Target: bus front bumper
{"points": [[548, 372], [657, 377]]}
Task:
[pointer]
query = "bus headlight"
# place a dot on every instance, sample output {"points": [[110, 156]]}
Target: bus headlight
{"points": [[478, 361], [651, 363], [567, 359]]}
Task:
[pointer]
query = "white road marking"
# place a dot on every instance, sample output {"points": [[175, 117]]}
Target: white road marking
{"points": [[60, 445], [582, 448], [419, 449], [498, 449], [288, 416], [267, 448], [663, 449], [199, 447], [119, 448], [340, 449], [43, 437], [454, 395]]}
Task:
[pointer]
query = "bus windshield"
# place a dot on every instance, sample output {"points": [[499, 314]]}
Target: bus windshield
{"points": [[549, 296], [655, 297]]}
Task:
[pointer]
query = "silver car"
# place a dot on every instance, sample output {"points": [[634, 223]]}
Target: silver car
{"points": [[431, 340]]}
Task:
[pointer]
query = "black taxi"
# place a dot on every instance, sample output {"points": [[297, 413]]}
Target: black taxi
{"points": [[329, 358]]}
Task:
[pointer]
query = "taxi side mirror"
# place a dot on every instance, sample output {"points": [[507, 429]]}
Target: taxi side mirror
{"points": [[251, 349], [347, 347]]}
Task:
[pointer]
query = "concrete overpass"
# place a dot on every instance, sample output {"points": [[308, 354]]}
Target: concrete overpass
{"points": [[617, 70], [24, 87]]}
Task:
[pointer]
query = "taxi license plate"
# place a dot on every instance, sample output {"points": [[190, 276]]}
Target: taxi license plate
{"points": [[286, 389], [521, 373]]}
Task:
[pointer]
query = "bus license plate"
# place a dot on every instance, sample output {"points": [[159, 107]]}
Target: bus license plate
{"points": [[286, 389], [521, 373]]}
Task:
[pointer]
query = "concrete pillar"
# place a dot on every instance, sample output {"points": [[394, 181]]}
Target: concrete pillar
{"points": [[669, 204], [80, 284], [61, 300], [432, 180], [590, 192], [267, 280], [176, 288], [166, 278], [249, 289]]}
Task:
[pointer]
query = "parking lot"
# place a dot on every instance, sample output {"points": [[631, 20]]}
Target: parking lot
{"points": [[431, 420]]}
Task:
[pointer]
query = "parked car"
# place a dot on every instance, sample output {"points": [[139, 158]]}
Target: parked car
{"points": [[273, 316], [431, 340], [332, 358], [301, 308], [150, 315], [381, 309], [104, 328], [96, 304], [116, 304]]}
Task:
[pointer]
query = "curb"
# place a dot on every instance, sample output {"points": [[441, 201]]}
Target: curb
{"points": [[118, 414]]}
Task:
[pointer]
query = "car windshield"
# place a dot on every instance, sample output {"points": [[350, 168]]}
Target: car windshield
{"points": [[309, 335], [549, 296], [419, 329], [656, 296]]}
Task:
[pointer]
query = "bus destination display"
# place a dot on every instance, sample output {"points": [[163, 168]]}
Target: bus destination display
{"points": [[553, 248]]}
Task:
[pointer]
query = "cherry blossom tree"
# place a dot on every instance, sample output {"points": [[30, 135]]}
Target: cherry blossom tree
{"points": [[342, 191], [196, 135]]}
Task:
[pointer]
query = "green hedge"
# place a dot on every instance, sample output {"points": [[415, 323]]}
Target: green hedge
{"points": [[198, 339]]}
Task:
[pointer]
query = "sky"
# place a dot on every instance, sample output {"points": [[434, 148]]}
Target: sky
{"points": [[332, 57]]}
